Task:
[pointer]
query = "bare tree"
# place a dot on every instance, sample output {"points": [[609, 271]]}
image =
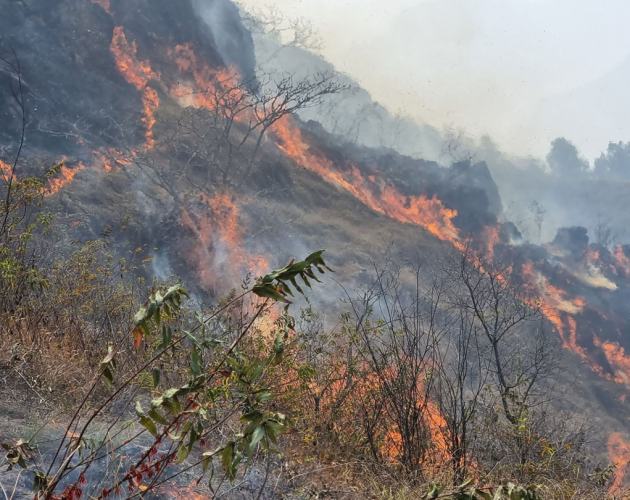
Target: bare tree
{"points": [[461, 376], [399, 333], [271, 24], [512, 340], [13, 207], [224, 134], [605, 234]]}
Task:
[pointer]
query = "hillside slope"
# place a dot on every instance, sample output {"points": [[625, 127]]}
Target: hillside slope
{"points": [[123, 90]]}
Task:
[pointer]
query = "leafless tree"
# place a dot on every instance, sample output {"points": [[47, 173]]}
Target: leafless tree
{"points": [[270, 23], [605, 234], [399, 333], [13, 207], [511, 338], [461, 375], [225, 134]]}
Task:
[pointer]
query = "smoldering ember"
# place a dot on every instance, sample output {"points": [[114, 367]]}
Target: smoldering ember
{"points": [[228, 271]]}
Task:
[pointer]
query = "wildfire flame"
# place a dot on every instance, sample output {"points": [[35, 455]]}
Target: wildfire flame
{"points": [[619, 453], [592, 274], [615, 354], [212, 85], [65, 177], [138, 73], [420, 210], [219, 240], [6, 170], [622, 261], [553, 304], [490, 236]]}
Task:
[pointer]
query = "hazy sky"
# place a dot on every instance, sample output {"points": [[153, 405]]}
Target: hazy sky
{"points": [[521, 71]]}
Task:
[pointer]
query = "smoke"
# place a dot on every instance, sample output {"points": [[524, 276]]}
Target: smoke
{"points": [[233, 42]]}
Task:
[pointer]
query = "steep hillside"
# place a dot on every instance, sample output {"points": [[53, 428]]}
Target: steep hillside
{"points": [[136, 95]]}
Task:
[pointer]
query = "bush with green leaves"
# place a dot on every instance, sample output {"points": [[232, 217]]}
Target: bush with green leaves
{"points": [[221, 388]]}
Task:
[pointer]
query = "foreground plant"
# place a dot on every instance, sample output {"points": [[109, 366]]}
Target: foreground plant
{"points": [[221, 386]]}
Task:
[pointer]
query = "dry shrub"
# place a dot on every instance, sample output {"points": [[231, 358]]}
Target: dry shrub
{"points": [[52, 340]]}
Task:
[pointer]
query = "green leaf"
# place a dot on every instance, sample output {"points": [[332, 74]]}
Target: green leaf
{"points": [[111, 353], [305, 280], [278, 345], [169, 393], [157, 417], [177, 404], [151, 309], [145, 329], [263, 397], [193, 339], [227, 455], [269, 291], [170, 407], [435, 491], [182, 453], [296, 286], [195, 361], [148, 424], [108, 376], [211, 343], [156, 377], [314, 256], [167, 336], [251, 416], [258, 434], [463, 485]]}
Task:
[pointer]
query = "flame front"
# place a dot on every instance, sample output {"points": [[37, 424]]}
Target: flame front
{"points": [[213, 86], [622, 261], [138, 73], [385, 199], [616, 356], [6, 170], [219, 242], [619, 453], [65, 177]]}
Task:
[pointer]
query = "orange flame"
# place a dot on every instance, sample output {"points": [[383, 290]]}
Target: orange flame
{"points": [[65, 177], [619, 453], [592, 255], [615, 354], [104, 161], [553, 304], [420, 210], [490, 237], [622, 261], [118, 156], [209, 81], [138, 73], [219, 241], [6, 170]]}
